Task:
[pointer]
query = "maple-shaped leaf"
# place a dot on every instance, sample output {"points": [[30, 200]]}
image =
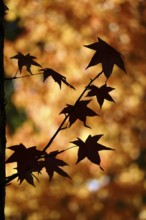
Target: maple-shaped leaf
{"points": [[56, 76], [107, 56], [52, 164], [28, 176], [101, 93], [25, 60], [27, 162], [90, 149], [80, 111]]}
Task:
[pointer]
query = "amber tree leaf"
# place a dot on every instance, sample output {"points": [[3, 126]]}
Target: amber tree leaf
{"points": [[25, 60], [58, 78], [107, 56], [90, 149], [101, 93], [80, 111]]}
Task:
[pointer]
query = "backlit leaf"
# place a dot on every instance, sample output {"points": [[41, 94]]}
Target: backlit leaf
{"points": [[107, 56], [80, 111], [25, 60], [56, 76], [90, 149], [101, 93], [52, 164], [27, 162]]}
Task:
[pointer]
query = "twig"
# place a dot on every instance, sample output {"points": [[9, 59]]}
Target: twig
{"points": [[19, 77], [66, 117]]}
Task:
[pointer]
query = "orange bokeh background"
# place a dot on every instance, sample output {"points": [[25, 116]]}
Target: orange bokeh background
{"points": [[55, 31]]}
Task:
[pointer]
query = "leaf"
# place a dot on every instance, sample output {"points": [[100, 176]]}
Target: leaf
{"points": [[79, 111], [25, 60], [101, 93], [27, 162], [90, 149], [56, 76], [107, 56], [27, 176], [52, 164]]}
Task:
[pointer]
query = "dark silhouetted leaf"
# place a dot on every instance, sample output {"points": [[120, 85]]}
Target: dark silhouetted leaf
{"points": [[27, 162], [101, 93], [80, 111], [56, 76], [52, 164], [25, 60], [90, 149], [107, 56], [28, 176]]}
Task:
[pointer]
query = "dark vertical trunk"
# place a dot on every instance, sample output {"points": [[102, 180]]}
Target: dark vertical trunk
{"points": [[2, 115]]}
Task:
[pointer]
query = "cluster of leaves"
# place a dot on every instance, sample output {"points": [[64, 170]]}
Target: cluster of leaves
{"points": [[30, 160], [28, 61]]}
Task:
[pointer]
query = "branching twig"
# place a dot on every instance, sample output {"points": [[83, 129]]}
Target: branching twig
{"points": [[66, 117], [13, 176]]}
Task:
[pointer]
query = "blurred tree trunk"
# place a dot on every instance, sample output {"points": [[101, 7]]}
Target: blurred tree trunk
{"points": [[2, 115]]}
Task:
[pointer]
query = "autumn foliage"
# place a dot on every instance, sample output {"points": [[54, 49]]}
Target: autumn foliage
{"points": [[30, 160], [66, 87]]}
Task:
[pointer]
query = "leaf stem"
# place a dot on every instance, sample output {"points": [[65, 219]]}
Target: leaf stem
{"points": [[66, 117], [10, 178], [59, 152], [16, 72]]}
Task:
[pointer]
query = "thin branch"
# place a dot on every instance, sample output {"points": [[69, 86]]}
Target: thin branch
{"points": [[67, 116], [19, 77]]}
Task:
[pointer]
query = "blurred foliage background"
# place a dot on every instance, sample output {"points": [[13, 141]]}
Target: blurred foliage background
{"points": [[55, 31]]}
